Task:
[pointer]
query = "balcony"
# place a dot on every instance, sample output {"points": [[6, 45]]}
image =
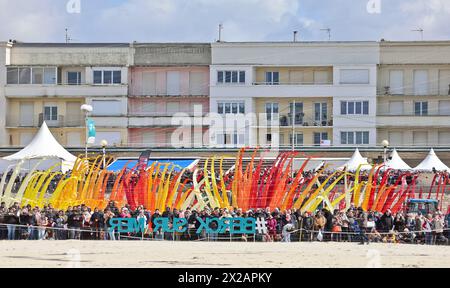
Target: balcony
{"points": [[162, 118], [410, 120], [287, 121], [61, 122], [63, 90], [293, 90]]}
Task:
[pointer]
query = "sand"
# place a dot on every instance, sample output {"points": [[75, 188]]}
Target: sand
{"points": [[99, 254]]}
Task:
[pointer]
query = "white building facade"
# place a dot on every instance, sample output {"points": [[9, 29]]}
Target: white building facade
{"points": [[321, 93]]}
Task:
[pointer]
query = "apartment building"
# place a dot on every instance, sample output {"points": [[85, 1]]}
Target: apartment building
{"points": [[167, 80], [316, 93], [414, 93], [5, 50], [49, 82], [259, 94]]}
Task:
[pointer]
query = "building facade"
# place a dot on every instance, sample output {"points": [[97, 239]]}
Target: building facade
{"points": [[265, 94], [167, 80], [294, 94], [414, 93], [50, 82]]}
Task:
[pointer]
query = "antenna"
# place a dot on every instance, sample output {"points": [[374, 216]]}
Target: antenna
{"points": [[220, 32], [328, 30], [295, 36], [419, 30], [68, 38]]}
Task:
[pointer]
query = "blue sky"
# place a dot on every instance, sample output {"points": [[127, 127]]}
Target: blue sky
{"points": [[243, 20]]}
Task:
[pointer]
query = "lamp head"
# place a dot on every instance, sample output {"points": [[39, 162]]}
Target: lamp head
{"points": [[86, 108], [385, 143], [104, 143]]}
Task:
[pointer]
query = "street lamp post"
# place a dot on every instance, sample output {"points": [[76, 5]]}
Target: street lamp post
{"points": [[104, 144], [86, 109], [385, 144]]}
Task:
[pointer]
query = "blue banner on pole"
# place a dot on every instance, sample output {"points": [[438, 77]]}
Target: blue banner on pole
{"points": [[91, 131]]}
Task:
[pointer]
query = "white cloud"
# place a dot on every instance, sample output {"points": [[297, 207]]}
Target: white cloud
{"points": [[244, 20]]}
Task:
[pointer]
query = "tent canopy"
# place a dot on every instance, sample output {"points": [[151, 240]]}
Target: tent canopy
{"points": [[430, 162], [356, 161], [43, 145], [397, 162]]}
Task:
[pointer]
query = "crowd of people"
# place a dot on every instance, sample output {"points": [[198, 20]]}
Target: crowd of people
{"points": [[353, 224]]}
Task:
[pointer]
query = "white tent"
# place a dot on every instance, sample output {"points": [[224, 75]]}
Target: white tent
{"points": [[430, 162], [43, 147], [356, 161], [397, 162]]}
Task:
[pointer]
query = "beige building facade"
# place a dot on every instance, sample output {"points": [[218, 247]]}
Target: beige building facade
{"points": [[414, 93]]}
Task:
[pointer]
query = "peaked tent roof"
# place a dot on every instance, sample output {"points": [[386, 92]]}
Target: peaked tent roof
{"points": [[430, 162], [43, 145], [355, 161], [397, 162]]}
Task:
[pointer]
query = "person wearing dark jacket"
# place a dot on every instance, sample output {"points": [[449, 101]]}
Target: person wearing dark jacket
{"points": [[329, 224], [11, 220], [387, 221]]}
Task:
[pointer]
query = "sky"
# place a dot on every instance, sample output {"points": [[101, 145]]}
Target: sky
{"points": [[243, 20]]}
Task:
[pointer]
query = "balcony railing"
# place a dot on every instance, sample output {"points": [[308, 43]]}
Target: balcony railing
{"points": [[287, 121], [166, 114], [61, 121], [293, 83]]}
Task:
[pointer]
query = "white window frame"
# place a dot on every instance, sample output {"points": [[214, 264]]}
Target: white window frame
{"points": [[354, 136], [240, 80], [354, 104], [231, 105], [31, 75], [103, 70]]}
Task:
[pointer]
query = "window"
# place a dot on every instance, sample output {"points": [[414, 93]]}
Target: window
{"points": [[298, 139], [320, 113], [354, 107], [319, 137], [420, 108], [51, 113], [50, 76], [396, 82], [272, 78], [297, 111], [271, 111], [98, 77], [31, 75], [74, 78], [25, 75], [231, 77], [230, 139], [38, 75], [106, 107], [354, 76], [355, 137], [107, 77], [230, 108], [421, 82], [12, 75]]}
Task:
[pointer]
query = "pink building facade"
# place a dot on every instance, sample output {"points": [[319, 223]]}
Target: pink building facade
{"points": [[169, 92]]}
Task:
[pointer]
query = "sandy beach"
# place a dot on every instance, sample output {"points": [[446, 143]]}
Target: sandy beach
{"points": [[84, 254]]}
